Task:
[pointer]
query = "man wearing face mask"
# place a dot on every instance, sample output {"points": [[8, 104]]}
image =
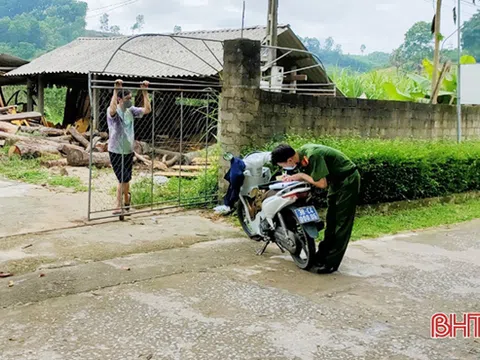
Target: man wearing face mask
{"points": [[325, 167], [120, 119]]}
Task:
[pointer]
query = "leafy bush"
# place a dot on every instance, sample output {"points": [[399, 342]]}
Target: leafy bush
{"points": [[394, 170]]}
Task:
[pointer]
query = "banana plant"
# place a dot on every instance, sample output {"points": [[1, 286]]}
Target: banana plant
{"points": [[421, 91]]}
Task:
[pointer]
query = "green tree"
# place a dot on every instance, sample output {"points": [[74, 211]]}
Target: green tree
{"points": [[30, 28], [138, 26], [104, 20], [312, 44], [177, 29], [418, 45], [329, 44], [105, 25], [363, 48], [331, 55], [115, 29], [471, 36]]}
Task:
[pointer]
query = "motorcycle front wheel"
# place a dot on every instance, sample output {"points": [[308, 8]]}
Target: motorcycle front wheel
{"points": [[304, 256]]}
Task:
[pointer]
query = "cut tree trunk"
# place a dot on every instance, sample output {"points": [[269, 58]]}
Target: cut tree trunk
{"points": [[102, 147], [54, 163], [32, 149], [7, 108], [96, 133], [177, 174], [79, 137], [169, 157], [172, 160], [7, 127], [42, 130], [38, 142], [21, 116], [67, 148], [82, 158], [13, 138], [157, 165], [65, 138], [93, 144], [190, 168]]}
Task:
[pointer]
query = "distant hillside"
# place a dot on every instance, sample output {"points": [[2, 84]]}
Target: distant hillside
{"points": [[331, 55]]}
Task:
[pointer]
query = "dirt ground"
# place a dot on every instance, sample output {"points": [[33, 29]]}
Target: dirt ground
{"points": [[181, 286]]}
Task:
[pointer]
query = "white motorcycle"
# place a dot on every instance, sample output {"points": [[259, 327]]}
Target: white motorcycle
{"points": [[278, 212]]}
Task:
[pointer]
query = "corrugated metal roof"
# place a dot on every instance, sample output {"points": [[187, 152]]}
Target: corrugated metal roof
{"points": [[145, 55]]}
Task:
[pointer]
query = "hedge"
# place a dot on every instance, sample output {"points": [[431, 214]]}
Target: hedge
{"points": [[395, 170]]}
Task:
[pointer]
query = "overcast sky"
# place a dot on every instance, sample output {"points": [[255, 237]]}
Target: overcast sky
{"points": [[379, 24]]}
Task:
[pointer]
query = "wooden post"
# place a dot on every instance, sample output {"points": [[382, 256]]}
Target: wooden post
{"points": [[29, 95], [436, 54], [41, 95], [95, 104], [293, 83]]}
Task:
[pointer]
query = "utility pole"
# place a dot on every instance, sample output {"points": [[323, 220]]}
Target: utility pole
{"points": [[459, 55], [436, 54], [272, 29], [243, 18]]}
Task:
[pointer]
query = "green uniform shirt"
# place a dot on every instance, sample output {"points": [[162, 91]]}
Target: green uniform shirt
{"points": [[324, 162]]}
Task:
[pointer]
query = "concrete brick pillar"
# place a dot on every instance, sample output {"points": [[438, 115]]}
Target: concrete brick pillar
{"points": [[240, 98]]}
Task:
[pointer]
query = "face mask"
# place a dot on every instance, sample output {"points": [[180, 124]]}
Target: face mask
{"points": [[127, 104], [290, 168]]}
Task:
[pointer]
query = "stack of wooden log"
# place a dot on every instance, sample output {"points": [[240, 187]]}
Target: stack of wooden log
{"points": [[75, 149], [9, 115]]}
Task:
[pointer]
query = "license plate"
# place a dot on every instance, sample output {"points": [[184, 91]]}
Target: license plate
{"points": [[307, 214]]}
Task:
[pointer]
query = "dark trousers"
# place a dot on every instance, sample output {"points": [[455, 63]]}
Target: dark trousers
{"points": [[342, 204]]}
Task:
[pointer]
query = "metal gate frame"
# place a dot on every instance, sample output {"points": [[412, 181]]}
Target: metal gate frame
{"points": [[185, 90]]}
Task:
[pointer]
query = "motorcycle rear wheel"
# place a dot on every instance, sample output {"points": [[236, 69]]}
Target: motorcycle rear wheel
{"points": [[243, 221]]}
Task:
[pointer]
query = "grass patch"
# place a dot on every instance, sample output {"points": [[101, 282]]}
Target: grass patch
{"points": [[30, 171], [374, 223], [177, 191]]}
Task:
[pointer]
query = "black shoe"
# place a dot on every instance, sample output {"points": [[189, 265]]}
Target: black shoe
{"points": [[319, 259], [324, 269]]}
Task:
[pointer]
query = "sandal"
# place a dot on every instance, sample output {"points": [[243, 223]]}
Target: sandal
{"points": [[127, 205]]}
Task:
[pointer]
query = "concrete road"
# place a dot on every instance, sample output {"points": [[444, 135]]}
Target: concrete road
{"points": [[184, 287], [217, 300]]}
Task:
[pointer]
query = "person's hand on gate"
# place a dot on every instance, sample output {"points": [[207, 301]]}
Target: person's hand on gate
{"points": [[118, 83], [147, 107]]}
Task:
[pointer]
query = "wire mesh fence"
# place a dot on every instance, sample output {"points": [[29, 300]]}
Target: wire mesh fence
{"points": [[152, 160]]}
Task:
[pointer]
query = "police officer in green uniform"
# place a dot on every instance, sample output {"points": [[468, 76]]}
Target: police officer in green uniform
{"points": [[325, 167]]}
